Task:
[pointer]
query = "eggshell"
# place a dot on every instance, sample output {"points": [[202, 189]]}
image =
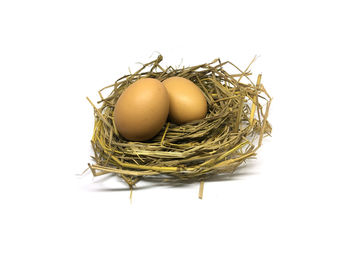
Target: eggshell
{"points": [[187, 102], [142, 110]]}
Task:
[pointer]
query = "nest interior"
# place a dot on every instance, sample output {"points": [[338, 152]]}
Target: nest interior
{"points": [[231, 132]]}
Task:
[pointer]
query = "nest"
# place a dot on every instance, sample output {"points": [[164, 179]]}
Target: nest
{"points": [[231, 132]]}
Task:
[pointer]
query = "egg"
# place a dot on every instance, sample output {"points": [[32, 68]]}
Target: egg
{"points": [[142, 110], [187, 101]]}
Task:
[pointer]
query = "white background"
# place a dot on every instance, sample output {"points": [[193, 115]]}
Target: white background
{"points": [[291, 204]]}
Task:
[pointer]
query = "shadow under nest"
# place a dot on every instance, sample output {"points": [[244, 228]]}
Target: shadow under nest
{"points": [[231, 132]]}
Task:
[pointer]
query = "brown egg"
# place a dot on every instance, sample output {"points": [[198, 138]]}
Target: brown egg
{"points": [[142, 110], [187, 102]]}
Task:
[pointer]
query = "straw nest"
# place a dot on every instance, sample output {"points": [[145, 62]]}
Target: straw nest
{"points": [[231, 132]]}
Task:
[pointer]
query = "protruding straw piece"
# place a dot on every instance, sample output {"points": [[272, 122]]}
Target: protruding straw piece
{"points": [[201, 188], [130, 194]]}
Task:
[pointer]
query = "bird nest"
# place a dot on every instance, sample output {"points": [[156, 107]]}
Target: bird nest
{"points": [[231, 132]]}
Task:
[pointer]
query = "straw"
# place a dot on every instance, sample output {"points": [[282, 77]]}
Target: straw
{"points": [[231, 132]]}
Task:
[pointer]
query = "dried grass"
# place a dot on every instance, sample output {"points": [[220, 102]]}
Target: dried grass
{"points": [[231, 132]]}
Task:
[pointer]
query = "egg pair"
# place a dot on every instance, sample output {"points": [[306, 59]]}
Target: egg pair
{"points": [[145, 105]]}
